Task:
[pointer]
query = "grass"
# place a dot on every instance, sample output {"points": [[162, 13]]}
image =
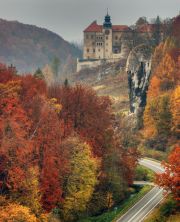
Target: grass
{"points": [[113, 214], [174, 218], [143, 173], [116, 87], [153, 154]]}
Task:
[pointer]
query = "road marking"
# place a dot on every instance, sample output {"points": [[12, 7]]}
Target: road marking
{"points": [[151, 209], [145, 205], [137, 203], [154, 166], [151, 163]]}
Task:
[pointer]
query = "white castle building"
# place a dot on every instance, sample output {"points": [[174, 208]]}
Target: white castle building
{"points": [[103, 42]]}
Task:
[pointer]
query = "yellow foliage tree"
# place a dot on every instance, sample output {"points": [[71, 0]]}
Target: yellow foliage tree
{"points": [[157, 117], [149, 118], [175, 109], [82, 179], [16, 213], [31, 194]]}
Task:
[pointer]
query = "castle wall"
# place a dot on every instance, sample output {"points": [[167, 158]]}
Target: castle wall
{"points": [[99, 45], [89, 49], [87, 64], [110, 42]]}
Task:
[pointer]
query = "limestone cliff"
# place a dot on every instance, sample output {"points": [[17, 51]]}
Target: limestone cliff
{"points": [[138, 68]]}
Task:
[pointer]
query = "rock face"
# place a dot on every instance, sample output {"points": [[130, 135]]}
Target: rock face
{"points": [[138, 68]]}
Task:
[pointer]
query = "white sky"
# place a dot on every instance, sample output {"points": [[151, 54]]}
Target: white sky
{"points": [[69, 18]]}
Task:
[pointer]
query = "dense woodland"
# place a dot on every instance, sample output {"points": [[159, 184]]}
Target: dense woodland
{"points": [[64, 155], [59, 150], [161, 116]]}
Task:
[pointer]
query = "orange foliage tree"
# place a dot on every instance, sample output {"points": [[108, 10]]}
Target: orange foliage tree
{"points": [[16, 213], [175, 109], [158, 114], [14, 129]]}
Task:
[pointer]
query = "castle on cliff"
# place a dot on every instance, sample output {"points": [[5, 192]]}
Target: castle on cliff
{"points": [[108, 42]]}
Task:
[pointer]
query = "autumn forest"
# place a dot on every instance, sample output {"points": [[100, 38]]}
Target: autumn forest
{"points": [[65, 155]]}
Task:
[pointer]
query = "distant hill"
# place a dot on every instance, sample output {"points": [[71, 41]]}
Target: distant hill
{"points": [[28, 47]]}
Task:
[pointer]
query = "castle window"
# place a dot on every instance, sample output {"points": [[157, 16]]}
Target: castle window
{"points": [[87, 50], [87, 36], [116, 37], [94, 50], [92, 36], [99, 50], [106, 37], [99, 44]]}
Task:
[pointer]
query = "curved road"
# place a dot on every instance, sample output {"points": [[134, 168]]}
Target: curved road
{"points": [[144, 206]]}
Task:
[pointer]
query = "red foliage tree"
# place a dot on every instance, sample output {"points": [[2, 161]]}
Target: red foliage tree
{"points": [[86, 113], [170, 179], [51, 157], [6, 73], [31, 88], [14, 129]]}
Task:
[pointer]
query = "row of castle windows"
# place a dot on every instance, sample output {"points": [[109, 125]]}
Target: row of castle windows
{"points": [[94, 50], [99, 37], [91, 36], [99, 43]]}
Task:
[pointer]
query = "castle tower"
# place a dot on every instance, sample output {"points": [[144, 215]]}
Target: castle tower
{"points": [[107, 22], [107, 30]]}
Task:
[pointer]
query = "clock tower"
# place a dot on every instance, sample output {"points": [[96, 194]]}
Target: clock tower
{"points": [[107, 30]]}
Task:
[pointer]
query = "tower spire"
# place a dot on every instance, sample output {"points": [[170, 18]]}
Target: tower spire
{"points": [[107, 21]]}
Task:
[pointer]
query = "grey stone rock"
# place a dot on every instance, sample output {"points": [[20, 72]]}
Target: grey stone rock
{"points": [[138, 68]]}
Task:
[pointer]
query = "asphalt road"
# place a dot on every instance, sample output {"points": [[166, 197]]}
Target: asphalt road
{"points": [[144, 206]]}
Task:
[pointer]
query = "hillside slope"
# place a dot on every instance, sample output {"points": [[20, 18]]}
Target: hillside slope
{"points": [[112, 82], [28, 47]]}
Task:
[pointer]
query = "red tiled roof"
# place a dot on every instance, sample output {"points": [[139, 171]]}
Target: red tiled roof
{"points": [[94, 27], [120, 28]]}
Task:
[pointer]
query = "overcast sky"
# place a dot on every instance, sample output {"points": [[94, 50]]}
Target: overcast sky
{"points": [[69, 18]]}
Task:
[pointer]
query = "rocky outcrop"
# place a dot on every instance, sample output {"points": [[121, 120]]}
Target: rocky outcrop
{"points": [[138, 68]]}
